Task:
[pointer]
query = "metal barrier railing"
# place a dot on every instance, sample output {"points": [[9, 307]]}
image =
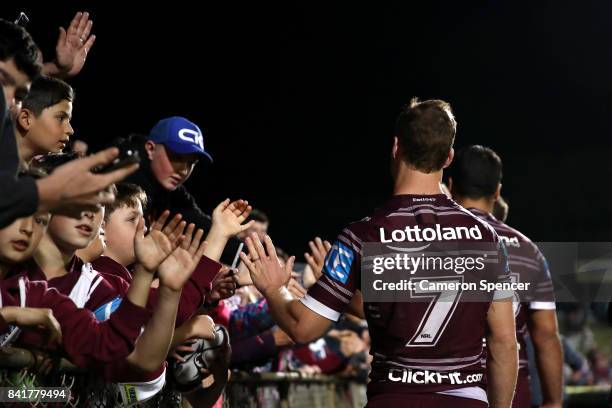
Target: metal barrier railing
{"points": [[19, 367]]}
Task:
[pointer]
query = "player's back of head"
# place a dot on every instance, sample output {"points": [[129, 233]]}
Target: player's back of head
{"points": [[476, 172], [426, 132]]}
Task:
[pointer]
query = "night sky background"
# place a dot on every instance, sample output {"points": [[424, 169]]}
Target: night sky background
{"points": [[298, 102]]}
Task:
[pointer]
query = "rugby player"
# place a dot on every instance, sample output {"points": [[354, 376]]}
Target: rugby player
{"points": [[422, 357], [476, 184]]}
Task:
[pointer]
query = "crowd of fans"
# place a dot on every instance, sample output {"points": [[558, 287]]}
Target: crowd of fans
{"points": [[115, 260]]}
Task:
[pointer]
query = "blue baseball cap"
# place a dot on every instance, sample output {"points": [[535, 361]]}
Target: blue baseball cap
{"points": [[180, 136]]}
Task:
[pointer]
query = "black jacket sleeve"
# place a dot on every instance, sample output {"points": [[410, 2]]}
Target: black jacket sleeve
{"points": [[18, 196]]}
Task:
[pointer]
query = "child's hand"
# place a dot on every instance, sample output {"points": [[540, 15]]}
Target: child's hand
{"points": [[153, 248], [228, 217], [177, 268]]}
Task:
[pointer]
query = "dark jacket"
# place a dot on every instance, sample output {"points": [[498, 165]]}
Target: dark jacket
{"points": [[18, 196], [177, 201]]}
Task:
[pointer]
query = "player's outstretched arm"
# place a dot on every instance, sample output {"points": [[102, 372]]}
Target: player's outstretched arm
{"points": [[270, 278], [549, 355], [502, 358]]}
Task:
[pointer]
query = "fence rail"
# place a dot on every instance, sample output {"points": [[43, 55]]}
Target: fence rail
{"points": [[18, 368]]}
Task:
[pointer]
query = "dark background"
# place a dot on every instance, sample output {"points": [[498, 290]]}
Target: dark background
{"points": [[298, 102]]}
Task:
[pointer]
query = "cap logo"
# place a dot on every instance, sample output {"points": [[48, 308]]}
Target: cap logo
{"points": [[192, 136]]}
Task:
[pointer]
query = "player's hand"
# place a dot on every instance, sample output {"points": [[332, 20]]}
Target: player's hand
{"points": [[228, 217], [177, 268], [153, 248], [34, 317], [73, 45], [264, 266], [316, 257], [223, 285]]}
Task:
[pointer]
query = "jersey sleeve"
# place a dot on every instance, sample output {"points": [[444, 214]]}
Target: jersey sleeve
{"points": [[85, 339], [543, 293], [502, 271], [332, 293]]}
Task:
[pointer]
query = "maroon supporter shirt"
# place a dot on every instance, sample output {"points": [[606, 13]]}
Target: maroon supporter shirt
{"points": [[527, 265], [102, 292], [85, 340], [191, 300], [418, 346], [192, 296]]}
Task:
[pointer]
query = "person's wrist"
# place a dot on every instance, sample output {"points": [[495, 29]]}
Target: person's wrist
{"points": [[218, 232], [47, 197], [210, 302], [143, 272], [168, 291], [8, 314], [273, 291], [140, 267]]}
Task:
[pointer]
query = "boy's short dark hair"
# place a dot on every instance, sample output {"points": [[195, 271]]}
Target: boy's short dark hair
{"points": [[46, 92], [426, 132], [127, 195], [476, 172], [16, 43]]}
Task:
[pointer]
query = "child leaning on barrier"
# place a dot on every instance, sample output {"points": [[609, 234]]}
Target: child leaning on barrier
{"points": [[76, 332]]}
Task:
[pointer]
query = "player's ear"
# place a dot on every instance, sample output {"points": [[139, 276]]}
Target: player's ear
{"points": [[449, 158], [395, 150], [497, 192]]}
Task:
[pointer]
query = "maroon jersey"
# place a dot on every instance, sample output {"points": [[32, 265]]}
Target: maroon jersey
{"points": [[90, 293], [527, 265], [86, 341], [418, 346], [192, 295]]}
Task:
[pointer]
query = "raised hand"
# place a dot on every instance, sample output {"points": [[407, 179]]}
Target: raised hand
{"points": [[316, 259], [227, 218], [266, 271], [153, 248], [73, 45], [176, 269], [223, 285]]}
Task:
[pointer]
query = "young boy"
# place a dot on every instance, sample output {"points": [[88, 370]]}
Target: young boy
{"points": [[119, 253], [85, 341], [120, 221], [43, 122]]}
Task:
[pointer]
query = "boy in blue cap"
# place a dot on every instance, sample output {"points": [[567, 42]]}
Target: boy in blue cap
{"points": [[169, 154], [174, 146]]}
